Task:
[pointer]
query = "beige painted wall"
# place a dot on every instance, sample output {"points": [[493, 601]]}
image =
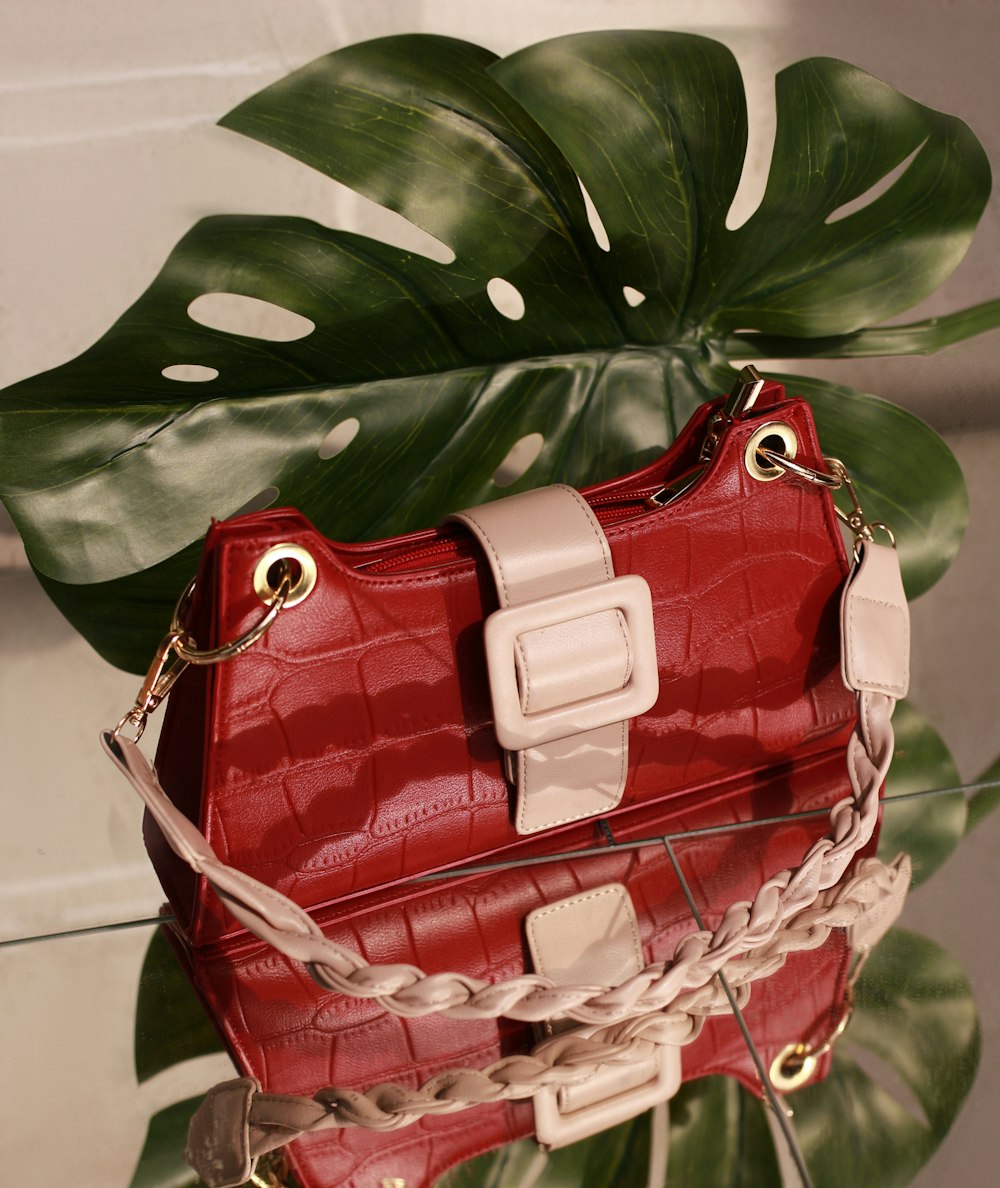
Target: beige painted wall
{"points": [[108, 153]]}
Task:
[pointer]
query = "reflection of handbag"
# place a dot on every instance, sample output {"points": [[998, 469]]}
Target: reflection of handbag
{"points": [[657, 644], [282, 1029]]}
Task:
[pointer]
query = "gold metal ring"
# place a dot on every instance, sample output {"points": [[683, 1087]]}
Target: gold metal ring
{"points": [[793, 1067], [294, 556], [885, 528], [759, 465], [187, 648], [134, 718]]}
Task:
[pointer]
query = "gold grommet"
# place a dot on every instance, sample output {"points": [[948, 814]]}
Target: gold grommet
{"points": [[770, 435], [298, 557], [793, 1067]]}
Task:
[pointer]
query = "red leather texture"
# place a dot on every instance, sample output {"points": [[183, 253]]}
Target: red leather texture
{"points": [[283, 1029], [353, 748]]}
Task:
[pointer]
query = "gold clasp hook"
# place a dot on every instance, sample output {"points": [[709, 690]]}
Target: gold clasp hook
{"points": [[837, 480], [178, 649], [855, 519], [272, 1172], [166, 667]]}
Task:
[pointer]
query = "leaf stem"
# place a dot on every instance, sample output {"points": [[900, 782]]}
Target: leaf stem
{"points": [[915, 338]]}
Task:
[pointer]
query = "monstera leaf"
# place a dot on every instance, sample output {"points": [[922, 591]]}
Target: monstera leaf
{"points": [[161, 1164], [170, 1023], [985, 800], [928, 828], [898, 1084], [410, 386]]}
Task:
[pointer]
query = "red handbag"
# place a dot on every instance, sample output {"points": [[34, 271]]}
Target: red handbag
{"points": [[552, 669]]}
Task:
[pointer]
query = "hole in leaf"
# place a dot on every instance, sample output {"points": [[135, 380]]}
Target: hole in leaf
{"points": [[249, 316], [875, 191], [189, 373], [506, 299], [761, 127], [366, 217], [339, 438], [633, 296], [600, 234], [256, 503], [519, 457]]}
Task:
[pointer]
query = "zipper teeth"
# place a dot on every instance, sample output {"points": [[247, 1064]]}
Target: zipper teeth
{"points": [[390, 563], [637, 495]]}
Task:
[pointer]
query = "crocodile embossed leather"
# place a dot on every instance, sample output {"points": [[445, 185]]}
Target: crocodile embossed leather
{"points": [[353, 746]]}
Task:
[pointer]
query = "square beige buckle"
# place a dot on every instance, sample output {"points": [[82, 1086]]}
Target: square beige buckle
{"points": [[515, 730], [557, 1123]]}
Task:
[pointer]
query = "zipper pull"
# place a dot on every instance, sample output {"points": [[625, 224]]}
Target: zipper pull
{"points": [[741, 399], [677, 488], [745, 391]]}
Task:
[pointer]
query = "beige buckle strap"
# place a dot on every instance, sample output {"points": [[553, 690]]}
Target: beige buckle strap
{"points": [[570, 652], [594, 936]]}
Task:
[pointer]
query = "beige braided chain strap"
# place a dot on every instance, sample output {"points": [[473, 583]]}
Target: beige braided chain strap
{"points": [[237, 1123], [875, 636]]}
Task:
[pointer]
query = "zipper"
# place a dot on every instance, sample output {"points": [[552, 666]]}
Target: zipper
{"points": [[391, 564], [611, 508], [616, 505]]}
